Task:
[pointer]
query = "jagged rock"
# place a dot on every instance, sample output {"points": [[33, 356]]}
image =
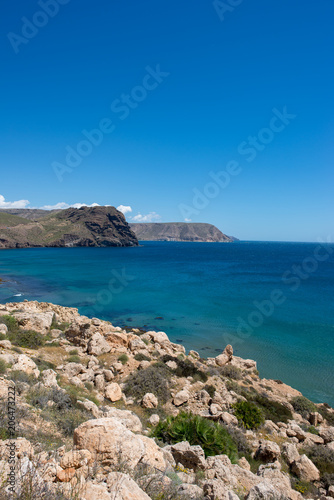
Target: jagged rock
{"points": [[99, 383], [153, 456], [92, 491], [7, 358], [315, 418], [55, 333], [108, 375], [222, 359], [181, 397], [295, 431], [215, 489], [143, 365], [204, 397], [113, 392], [270, 427], [305, 469], [268, 451], [330, 446], [23, 448], [38, 321], [149, 401], [244, 464], [72, 369], [97, 345], [331, 491], [26, 364], [136, 343], [194, 354], [327, 434], [154, 419], [6, 344], [191, 457], [171, 364], [122, 487], [117, 339], [75, 459], [264, 491], [191, 491], [109, 442], [90, 406], [126, 417], [49, 378], [290, 453], [65, 475], [228, 418], [3, 329], [158, 337]]}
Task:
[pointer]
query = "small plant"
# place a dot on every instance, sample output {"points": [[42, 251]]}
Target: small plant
{"points": [[141, 357], [123, 358], [27, 338], [232, 372], [73, 352], [10, 322], [210, 389], [68, 421], [185, 368], [18, 376], [59, 326], [17, 349], [153, 379], [303, 405], [73, 359], [313, 430], [322, 457], [43, 364], [212, 437], [248, 414], [3, 367]]}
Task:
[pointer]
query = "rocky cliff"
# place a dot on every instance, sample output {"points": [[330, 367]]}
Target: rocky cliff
{"points": [[111, 413], [179, 231], [86, 226]]}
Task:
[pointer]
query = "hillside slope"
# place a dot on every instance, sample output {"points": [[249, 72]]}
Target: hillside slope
{"points": [[87, 226], [179, 231]]}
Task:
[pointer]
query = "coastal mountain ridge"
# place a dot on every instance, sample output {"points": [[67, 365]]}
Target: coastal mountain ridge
{"points": [[179, 231], [83, 227], [24, 227]]}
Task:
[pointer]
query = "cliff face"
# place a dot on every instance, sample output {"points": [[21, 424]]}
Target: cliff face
{"points": [[87, 226], [179, 231]]}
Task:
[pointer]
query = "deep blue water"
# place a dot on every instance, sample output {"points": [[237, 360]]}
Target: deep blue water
{"points": [[200, 294]]}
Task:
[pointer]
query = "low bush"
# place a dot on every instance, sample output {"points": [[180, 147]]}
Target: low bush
{"points": [[272, 410], [233, 386], [2, 336], [18, 376], [141, 357], [43, 364], [67, 421], [17, 349], [322, 457], [248, 414], [73, 352], [153, 379], [27, 338], [3, 367], [240, 440], [231, 371], [210, 389], [10, 322], [73, 359], [303, 405], [59, 326], [185, 368], [212, 437], [325, 413], [123, 358]]}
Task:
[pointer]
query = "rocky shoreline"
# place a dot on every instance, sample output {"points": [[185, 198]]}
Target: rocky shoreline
{"points": [[108, 413]]}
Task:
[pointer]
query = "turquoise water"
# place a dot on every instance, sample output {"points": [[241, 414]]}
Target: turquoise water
{"points": [[200, 294]]}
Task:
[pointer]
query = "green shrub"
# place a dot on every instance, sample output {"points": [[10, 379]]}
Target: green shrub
{"points": [[2, 336], [233, 386], [43, 365], [141, 357], [67, 421], [153, 379], [303, 405], [329, 416], [240, 440], [27, 338], [123, 358], [272, 410], [73, 352], [185, 368], [3, 367], [212, 437], [231, 371], [210, 389], [59, 326], [312, 430], [322, 457], [17, 349], [18, 376], [248, 414], [73, 359], [10, 322]]}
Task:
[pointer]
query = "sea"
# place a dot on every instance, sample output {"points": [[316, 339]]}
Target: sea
{"points": [[272, 301]]}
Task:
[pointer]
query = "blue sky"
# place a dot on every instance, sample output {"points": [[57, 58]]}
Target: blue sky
{"points": [[179, 90]]}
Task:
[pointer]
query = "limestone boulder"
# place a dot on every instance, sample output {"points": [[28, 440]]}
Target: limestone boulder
{"points": [[149, 401], [75, 459], [268, 451], [191, 457], [113, 392], [25, 364], [126, 417], [117, 339], [327, 434], [49, 378], [181, 397], [305, 469], [290, 453], [38, 321], [98, 345], [122, 487]]}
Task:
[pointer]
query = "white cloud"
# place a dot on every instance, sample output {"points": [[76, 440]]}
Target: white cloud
{"points": [[151, 217], [187, 220], [125, 209], [62, 206], [13, 204]]}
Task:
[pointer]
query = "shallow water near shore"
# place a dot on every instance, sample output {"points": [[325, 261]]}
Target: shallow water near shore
{"points": [[203, 295]]}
